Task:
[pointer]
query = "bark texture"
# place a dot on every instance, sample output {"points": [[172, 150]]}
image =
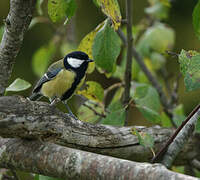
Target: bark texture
{"points": [[22, 118], [57, 161], [16, 24], [182, 137]]}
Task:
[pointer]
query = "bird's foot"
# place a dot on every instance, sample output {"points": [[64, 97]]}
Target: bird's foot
{"points": [[72, 115], [55, 101]]}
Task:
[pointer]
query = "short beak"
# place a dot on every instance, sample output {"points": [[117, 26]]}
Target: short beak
{"points": [[90, 60]]}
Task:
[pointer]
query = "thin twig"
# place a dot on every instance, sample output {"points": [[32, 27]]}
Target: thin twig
{"points": [[151, 78], [171, 139], [110, 88], [127, 77], [173, 54]]}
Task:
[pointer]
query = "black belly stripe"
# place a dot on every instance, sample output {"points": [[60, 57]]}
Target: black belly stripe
{"points": [[72, 89], [79, 76]]}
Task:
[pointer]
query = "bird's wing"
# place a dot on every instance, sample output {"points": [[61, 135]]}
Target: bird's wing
{"points": [[52, 71]]}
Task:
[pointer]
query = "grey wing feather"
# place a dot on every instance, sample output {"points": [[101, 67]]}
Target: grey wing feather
{"points": [[52, 71]]}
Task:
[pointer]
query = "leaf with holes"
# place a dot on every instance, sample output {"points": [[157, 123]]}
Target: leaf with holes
{"points": [[190, 68], [144, 139]]}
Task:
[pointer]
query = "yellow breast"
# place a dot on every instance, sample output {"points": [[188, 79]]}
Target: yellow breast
{"points": [[59, 85]]}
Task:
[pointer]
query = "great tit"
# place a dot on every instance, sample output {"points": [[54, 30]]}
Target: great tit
{"points": [[62, 79]]}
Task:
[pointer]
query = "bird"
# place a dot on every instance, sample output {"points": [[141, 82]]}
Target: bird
{"points": [[62, 79]]}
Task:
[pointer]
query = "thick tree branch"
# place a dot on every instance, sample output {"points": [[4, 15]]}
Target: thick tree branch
{"points": [[16, 24], [57, 161], [37, 120]]}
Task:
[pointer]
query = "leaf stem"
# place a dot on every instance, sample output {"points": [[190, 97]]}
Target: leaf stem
{"points": [[110, 88]]}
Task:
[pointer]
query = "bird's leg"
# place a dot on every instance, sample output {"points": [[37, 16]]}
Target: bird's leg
{"points": [[54, 101], [69, 110]]}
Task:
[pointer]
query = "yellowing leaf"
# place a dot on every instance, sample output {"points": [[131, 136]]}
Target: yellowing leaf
{"points": [[87, 115], [111, 9], [86, 45], [94, 91]]}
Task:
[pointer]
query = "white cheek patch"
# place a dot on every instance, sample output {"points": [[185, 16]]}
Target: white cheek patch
{"points": [[76, 63]]}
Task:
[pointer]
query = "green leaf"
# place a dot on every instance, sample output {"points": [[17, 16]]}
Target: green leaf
{"points": [[116, 117], [61, 9], [144, 139], [158, 11], [148, 102], [86, 45], [41, 59], [196, 19], [118, 95], [158, 60], [93, 91], [178, 115], [165, 121], [87, 115], [120, 69], [135, 69], [190, 68], [18, 85], [150, 114], [41, 177], [106, 48], [1, 32], [112, 10], [159, 38], [38, 6]]}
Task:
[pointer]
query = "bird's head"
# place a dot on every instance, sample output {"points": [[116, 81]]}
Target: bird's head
{"points": [[77, 61]]}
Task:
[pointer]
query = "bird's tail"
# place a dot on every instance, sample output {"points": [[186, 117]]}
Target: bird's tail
{"points": [[35, 96]]}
